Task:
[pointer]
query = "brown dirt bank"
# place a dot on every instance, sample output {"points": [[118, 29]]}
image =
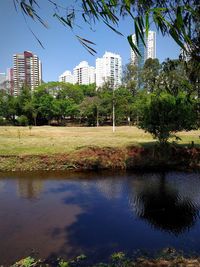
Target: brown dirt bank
{"points": [[94, 158]]}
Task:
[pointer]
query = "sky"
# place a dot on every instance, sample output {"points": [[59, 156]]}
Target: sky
{"points": [[61, 49]]}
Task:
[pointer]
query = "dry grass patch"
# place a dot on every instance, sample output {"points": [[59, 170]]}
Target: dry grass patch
{"points": [[51, 140]]}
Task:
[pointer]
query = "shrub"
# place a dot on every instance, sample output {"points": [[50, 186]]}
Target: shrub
{"points": [[163, 115], [2, 121], [22, 120]]}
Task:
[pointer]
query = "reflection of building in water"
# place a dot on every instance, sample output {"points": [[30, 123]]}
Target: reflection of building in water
{"points": [[2, 185], [109, 188], [164, 204], [28, 188]]}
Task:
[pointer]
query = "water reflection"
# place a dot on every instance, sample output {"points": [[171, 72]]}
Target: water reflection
{"points": [[97, 213], [163, 204], [29, 188]]}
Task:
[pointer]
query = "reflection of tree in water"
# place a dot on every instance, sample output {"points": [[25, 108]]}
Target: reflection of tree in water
{"points": [[162, 205], [29, 188]]}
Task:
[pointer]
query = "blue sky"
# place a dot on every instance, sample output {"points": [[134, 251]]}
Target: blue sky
{"points": [[62, 50]]}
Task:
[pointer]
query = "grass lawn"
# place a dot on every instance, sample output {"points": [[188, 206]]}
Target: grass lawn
{"points": [[50, 140]]}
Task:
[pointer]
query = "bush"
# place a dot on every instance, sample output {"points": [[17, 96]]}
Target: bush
{"points": [[163, 115], [2, 121], [22, 120]]}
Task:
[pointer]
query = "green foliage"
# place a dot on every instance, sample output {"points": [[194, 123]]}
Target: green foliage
{"points": [[27, 262], [22, 120], [164, 114], [59, 103], [81, 257], [89, 110], [89, 90], [117, 256], [130, 74], [150, 74], [123, 104], [173, 78], [63, 263], [2, 121]]}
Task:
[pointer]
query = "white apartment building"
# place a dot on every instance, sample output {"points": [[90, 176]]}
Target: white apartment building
{"points": [[66, 77], [27, 70], [83, 73], [109, 69], [146, 52]]}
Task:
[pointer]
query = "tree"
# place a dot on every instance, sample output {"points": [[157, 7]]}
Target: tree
{"points": [[150, 73], [123, 104], [43, 103], [89, 109], [164, 114], [63, 108], [129, 78], [178, 18], [107, 100], [89, 90], [173, 78]]}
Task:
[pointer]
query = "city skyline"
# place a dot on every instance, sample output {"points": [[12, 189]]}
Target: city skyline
{"points": [[108, 68], [62, 50]]}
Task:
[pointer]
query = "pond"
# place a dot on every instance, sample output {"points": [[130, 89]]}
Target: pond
{"points": [[56, 214]]}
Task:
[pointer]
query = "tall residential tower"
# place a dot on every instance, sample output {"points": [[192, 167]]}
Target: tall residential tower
{"points": [[109, 69], [84, 74], [27, 71], [148, 51], [66, 77]]}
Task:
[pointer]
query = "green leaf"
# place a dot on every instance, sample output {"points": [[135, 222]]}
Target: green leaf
{"points": [[85, 40], [139, 32], [179, 16], [133, 46], [175, 36], [87, 47], [147, 24], [112, 28]]}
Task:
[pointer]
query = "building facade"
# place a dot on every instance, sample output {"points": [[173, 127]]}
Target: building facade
{"points": [[148, 51], [66, 77], [10, 80], [27, 71], [83, 73], [109, 69], [2, 79]]}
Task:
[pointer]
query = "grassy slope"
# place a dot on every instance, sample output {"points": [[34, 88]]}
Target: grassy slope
{"points": [[51, 140]]}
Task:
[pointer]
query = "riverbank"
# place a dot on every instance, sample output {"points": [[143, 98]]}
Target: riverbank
{"points": [[107, 158], [117, 260], [92, 148]]}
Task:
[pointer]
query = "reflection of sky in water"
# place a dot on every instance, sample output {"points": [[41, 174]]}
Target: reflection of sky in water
{"points": [[2, 185], [97, 214]]}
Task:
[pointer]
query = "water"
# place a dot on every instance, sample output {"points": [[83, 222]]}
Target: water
{"points": [[57, 214]]}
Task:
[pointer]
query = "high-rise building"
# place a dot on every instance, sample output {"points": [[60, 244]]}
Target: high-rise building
{"points": [[148, 51], [2, 78], [3, 82], [83, 73], [10, 81], [109, 69], [66, 77], [27, 71]]}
